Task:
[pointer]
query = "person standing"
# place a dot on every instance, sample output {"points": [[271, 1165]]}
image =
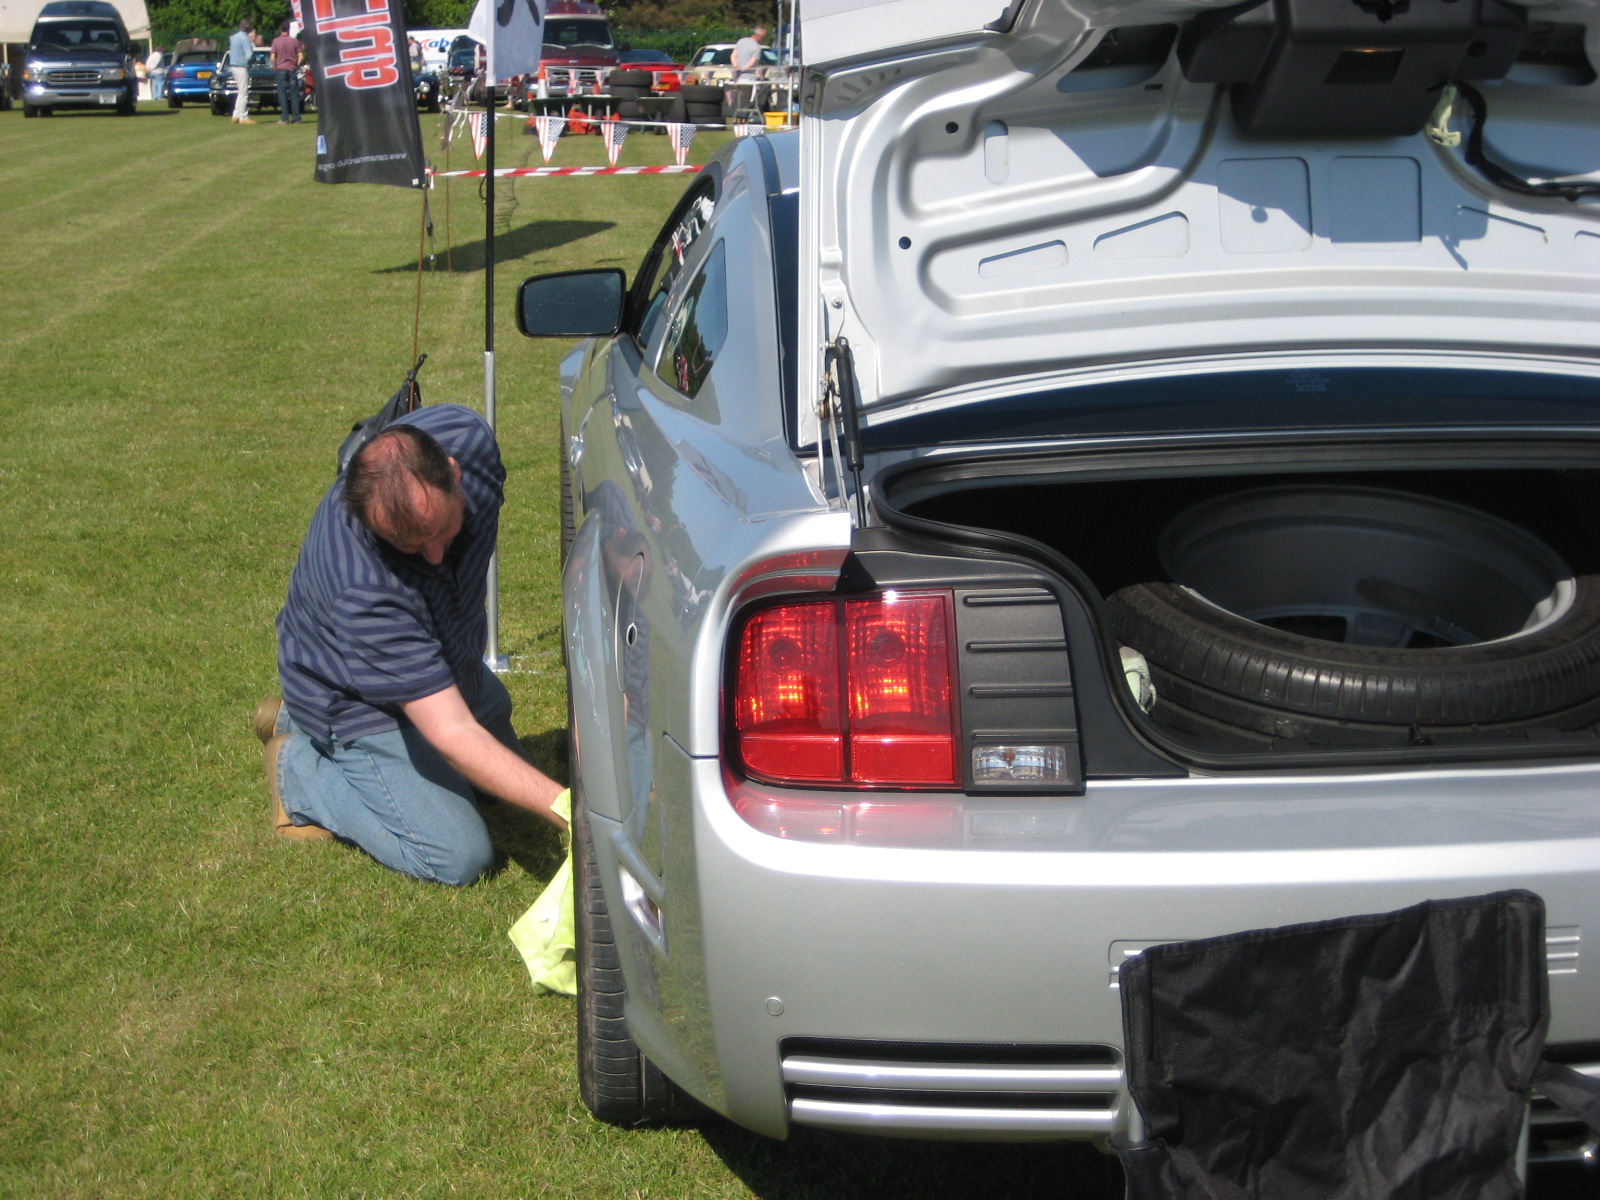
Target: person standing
{"points": [[286, 56], [746, 61], [155, 70], [239, 47], [747, 55]]}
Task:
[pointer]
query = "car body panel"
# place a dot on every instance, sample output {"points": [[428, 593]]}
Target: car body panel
{"points": [[763, 970]]}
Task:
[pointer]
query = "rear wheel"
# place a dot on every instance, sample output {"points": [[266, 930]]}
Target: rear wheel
{"points": [[174, 101], [618, 1083], [219, 108]]}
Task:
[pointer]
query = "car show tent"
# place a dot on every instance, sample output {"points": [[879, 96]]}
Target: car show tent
{"points": [[17, 18]]}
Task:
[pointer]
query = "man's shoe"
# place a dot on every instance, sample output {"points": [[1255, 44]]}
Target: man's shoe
{"points": [[265, 718], [246, 120], [281, 824]]}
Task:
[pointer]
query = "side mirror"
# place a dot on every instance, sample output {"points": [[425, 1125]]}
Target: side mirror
{"points": [[572, 304]]}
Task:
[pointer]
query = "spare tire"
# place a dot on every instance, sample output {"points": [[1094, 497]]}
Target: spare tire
{"points": [[1349, 615], [700, 93], [632, 79]]}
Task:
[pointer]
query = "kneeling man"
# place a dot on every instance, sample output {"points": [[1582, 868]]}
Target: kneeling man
{"points": [[390, 720]]}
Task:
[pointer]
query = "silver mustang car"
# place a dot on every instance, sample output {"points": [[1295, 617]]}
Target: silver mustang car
{"points": [[1122, 472]]}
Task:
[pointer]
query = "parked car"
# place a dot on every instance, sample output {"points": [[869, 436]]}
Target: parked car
{"points": [[430, 85], [1124, 484], [713, 64], [263, 81], [189, 77], [79, 55], [666, 75], [579, 51], [465, 62]]}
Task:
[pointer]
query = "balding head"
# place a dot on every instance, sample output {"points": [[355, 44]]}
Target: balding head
{"points": [[405, 489]]}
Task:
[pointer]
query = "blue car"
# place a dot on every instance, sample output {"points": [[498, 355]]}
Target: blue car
{"points": [[189, 77]]}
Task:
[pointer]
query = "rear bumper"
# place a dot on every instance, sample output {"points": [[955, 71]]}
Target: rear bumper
{"points": [[972, 993]]}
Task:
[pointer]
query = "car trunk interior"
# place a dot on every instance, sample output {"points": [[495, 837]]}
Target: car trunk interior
{"points": [[1112, 516]]}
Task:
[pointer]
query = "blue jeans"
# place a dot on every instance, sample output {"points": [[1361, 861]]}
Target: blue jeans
{"points": [[393, 795], [288, 96]]}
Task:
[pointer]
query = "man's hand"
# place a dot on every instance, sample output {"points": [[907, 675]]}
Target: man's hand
{"points": [[448, 725]]}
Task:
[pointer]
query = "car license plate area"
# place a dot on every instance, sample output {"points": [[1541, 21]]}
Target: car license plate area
{"points": [[107, 98]]}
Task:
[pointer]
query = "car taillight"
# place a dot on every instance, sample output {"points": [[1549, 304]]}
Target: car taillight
{"points": [[850, 692]]}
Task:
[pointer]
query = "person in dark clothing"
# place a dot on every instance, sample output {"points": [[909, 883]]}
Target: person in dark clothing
{"points": [[389, 721], [287, 54]]}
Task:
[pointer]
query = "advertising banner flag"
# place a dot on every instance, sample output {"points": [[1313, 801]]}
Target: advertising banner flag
{"points": [[682, 137], [479, 124], [616, 133], [549, 129], [517, 38], [367, 130]]}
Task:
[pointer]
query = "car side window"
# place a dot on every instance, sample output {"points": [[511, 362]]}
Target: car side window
{"points": [[664, 263], [697, 328]]}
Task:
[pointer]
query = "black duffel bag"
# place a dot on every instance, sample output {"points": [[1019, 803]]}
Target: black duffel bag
{"points": [[407, 399]]}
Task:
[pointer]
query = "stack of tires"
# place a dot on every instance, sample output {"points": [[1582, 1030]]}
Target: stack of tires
{"points": [[627, 88], [699, 104]]}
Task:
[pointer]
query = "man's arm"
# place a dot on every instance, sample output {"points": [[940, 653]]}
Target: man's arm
{"points": [[450, 728]]}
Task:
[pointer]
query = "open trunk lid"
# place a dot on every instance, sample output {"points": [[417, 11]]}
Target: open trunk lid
{"points": [[1002, 197]]}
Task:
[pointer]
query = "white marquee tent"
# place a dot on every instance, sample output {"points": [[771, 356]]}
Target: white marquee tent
{"points": [[17, 18]]}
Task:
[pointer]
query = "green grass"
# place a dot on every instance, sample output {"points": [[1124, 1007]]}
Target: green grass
{"points": [[188, 1006]]}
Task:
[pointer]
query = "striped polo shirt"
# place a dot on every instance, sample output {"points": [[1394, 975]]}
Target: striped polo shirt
{"points": [[366, 628]]}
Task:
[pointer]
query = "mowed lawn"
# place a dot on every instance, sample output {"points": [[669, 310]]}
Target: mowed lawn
{"points": [[189, 1006]]}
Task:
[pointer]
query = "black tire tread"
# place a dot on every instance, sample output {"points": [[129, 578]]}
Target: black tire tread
{"points": [[1539, 676], [619, 1085]]}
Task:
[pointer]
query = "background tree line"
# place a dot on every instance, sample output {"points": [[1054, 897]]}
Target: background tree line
{"points": [[172, 19]]}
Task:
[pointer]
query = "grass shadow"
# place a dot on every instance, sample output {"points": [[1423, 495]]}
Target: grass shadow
{"points": [[536, 237], [518, 836], [813, 1164]]}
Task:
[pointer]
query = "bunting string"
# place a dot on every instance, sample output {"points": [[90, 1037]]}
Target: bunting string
{"points": [[566, 172]]}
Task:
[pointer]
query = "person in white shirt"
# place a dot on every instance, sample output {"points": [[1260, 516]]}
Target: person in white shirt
{"points": [[239, 47], [155, 71]]}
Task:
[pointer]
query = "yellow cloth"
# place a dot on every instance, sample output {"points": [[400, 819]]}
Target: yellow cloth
{"points": [[545, 934]]}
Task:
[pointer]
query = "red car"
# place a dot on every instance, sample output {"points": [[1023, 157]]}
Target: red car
{"points": [[665, 75]]}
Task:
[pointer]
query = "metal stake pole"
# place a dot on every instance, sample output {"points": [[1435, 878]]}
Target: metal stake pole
{"points": [[496, 661]]}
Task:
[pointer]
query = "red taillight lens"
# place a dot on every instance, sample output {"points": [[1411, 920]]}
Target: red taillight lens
{"points": [[898, 656], [857, 692], [786, 707]]}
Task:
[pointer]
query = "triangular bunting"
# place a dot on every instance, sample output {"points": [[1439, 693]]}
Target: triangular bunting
{"points": [[615, 132], [549, 129], [682, 137]]}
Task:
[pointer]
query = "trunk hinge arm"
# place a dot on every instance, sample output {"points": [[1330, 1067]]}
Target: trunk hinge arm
{"points": [[838, 409]]}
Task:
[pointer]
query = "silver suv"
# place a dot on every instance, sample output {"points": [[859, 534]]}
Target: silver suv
{"points": [[79, 56], [1121, 473]]}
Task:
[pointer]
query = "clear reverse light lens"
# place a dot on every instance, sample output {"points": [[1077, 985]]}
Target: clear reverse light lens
{"points": [[1020, 764]]}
